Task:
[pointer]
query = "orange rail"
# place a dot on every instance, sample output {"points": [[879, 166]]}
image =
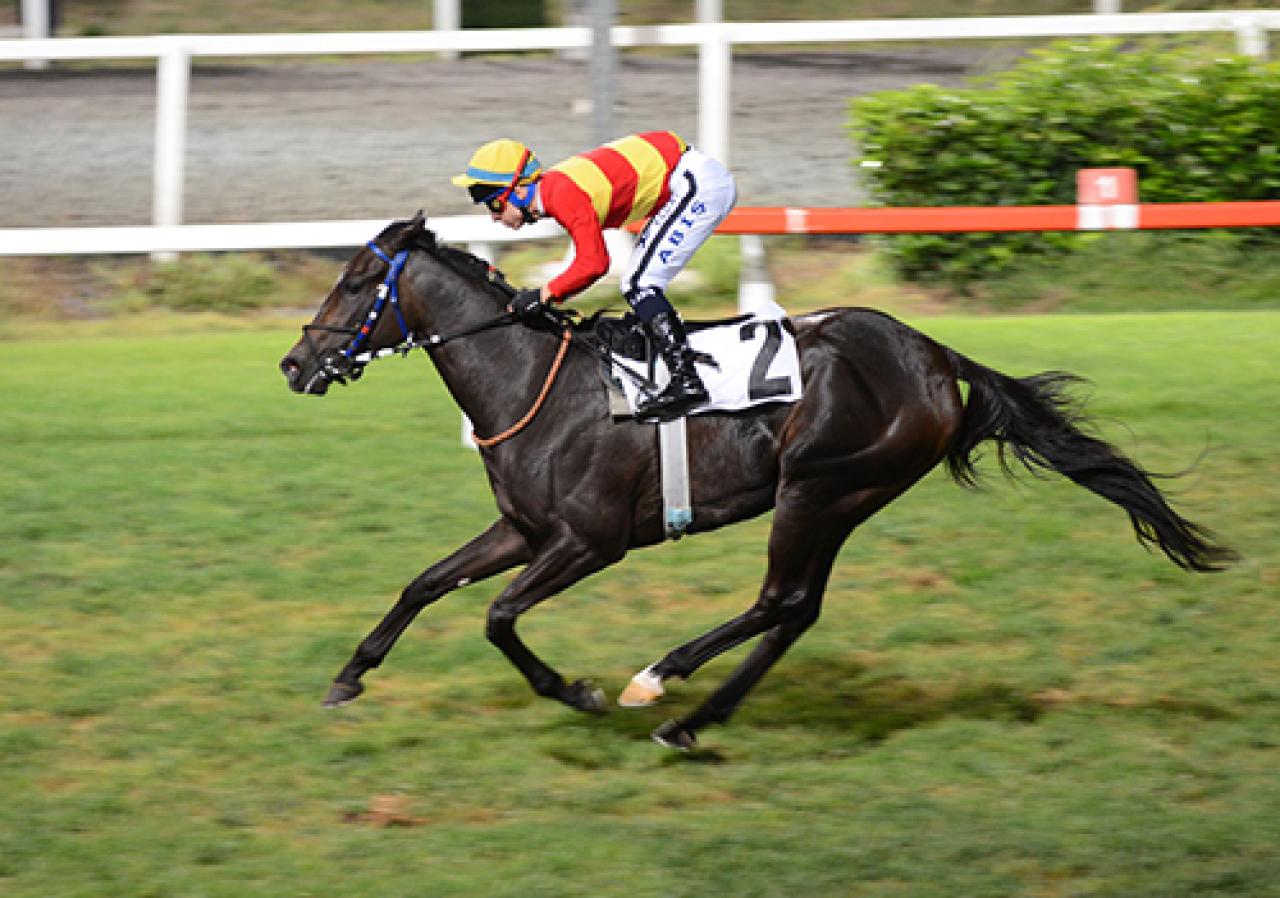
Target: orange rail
{"points": [[1261, 214], [958, 219], [776, 220]]}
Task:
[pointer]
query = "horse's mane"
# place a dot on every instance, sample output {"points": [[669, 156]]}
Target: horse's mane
{"points": [[467, 264]]}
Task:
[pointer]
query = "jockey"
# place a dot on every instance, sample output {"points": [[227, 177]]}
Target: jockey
{"points": [[655, 175]]}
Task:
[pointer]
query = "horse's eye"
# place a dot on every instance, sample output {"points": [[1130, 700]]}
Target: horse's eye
{"points": [[354, 286]]}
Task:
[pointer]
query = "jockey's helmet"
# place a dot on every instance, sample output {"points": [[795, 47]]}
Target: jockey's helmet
{"points": [[495, 166]]}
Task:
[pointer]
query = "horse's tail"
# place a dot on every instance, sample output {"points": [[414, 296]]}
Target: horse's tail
{"points": [[1035, 420]]}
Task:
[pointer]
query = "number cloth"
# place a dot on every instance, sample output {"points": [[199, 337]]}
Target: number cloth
{"points": [[758, 364]]}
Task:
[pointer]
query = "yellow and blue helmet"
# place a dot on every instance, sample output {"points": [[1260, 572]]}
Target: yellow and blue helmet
{"points": [[500, 163]]}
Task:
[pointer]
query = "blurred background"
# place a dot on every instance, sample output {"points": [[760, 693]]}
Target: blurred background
{"points": [[296, 138]]}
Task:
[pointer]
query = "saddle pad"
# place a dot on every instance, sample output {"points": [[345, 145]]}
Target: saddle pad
{"points": [[758, 364]]}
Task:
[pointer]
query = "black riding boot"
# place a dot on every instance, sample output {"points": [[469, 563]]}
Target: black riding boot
{"points": [[686, 389]]}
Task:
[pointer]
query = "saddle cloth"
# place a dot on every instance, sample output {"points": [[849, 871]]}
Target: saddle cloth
{"points": [[757, 359]]}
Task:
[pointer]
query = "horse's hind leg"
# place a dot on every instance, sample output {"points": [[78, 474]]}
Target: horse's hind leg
{"points": [[497, 549], [802, 549], [795, 608], [720, 705]]}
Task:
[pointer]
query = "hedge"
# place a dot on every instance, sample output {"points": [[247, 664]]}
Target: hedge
{"points": [[1197, 126]]}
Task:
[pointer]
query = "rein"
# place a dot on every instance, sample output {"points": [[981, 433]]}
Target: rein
{"points": [[486, 442]]}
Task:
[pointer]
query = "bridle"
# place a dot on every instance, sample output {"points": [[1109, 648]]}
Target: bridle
{"points": [[349, 361]]}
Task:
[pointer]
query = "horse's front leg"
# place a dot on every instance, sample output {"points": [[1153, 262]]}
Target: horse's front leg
{"points": [[559, 564], [499, 548]]}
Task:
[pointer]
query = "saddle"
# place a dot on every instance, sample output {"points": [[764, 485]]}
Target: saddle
{"points": [[623, 336]]}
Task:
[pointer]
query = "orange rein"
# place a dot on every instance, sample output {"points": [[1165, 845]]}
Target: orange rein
{"points": [[485, 443]]}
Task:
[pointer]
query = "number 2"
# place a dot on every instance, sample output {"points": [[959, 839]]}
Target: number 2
{"points": [[761, 386]]}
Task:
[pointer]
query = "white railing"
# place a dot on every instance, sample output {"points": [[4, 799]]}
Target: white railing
{"points": [[471, 229], [714, 42]]}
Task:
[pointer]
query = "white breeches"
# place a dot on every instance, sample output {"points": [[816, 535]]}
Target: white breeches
{"points": [[702, 193]]}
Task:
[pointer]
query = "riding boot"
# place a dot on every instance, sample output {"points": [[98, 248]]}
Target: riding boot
{"points": [[685, 389]]}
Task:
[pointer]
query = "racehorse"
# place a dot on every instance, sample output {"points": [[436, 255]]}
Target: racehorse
{"points": [[881, 406]]}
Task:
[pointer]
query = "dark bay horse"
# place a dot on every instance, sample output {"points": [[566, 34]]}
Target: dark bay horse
{"points": [[576, 491]]}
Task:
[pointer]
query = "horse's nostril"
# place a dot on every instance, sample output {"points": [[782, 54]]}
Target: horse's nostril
{"points": [[290, 367]]}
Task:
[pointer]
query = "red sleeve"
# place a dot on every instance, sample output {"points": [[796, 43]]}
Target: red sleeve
{"points": [[564, 201]]}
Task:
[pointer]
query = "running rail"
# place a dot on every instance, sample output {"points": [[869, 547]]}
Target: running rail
{"points": [[969, 219], [758, 220]]}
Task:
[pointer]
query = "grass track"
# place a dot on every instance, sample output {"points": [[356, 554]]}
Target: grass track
{"points": [[1005, 695]]}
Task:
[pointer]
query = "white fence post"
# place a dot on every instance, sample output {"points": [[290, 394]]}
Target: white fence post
{"points": [[1251, 38], [173, 75], [1106, 7], [575, 14], [755, 289], [446, 15], [603, 66], [35, 26], [715, 60]]}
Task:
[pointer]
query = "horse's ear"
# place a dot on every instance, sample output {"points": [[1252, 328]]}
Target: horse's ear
{"points": [[415, 232], [418, 234]]}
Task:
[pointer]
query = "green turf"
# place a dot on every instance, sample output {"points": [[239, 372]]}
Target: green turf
{"points": [[1005, 696]]}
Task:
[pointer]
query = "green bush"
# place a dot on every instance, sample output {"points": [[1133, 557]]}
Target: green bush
{"points": [[1196, 126], [234, 282]]}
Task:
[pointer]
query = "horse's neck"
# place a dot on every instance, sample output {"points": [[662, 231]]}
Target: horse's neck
{"points": [[495, 375]]}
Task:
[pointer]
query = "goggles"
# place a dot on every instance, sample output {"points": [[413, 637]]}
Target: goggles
{"points": [[493, 200]]}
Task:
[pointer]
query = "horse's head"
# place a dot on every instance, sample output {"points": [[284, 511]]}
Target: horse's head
{"points": [[354, 320]]}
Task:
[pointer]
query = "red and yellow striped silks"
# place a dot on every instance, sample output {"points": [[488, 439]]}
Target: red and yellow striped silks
{"points": [[616, 184]]}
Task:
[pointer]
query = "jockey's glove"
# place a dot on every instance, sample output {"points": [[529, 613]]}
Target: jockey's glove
{"points": [[528, 305]]}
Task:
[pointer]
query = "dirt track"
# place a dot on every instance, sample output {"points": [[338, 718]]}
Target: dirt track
{"points": [[379, 139]]}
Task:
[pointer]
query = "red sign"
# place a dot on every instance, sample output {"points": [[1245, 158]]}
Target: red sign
{"points": [[1106, 187]]}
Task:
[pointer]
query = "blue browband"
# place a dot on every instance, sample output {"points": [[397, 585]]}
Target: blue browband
{"points": [[390, 289]]}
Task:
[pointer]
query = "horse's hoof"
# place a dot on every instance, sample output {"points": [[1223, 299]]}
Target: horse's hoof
{"points": [[342, 694], [587, 696], [672, 734], [644, 690]]}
